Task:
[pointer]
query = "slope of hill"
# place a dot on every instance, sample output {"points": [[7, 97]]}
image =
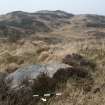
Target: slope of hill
{"points": [[55, 37], [24, 24], [89, 20], [19, 24]]}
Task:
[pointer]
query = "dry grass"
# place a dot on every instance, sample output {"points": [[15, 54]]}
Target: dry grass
{"points": [[23, 53], [93, 50]]}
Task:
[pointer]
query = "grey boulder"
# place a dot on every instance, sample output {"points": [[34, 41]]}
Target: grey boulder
{"points": [[31, 72]]}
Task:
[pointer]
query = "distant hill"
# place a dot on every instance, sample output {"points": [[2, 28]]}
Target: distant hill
{"points": [[89, 20], [19, 24], [23, 23]]}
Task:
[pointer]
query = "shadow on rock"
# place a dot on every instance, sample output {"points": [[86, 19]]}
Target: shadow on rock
{"points": [[81, 77]]}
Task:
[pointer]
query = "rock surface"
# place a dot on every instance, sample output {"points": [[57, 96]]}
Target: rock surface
{"points": [[31, 72]]}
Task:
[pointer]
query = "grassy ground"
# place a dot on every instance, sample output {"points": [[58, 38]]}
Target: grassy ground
{"points": [[15, 55], [94, 50]]}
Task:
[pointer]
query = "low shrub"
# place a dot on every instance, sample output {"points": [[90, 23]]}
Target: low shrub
{"points": [[43, 84], [77, 60]]}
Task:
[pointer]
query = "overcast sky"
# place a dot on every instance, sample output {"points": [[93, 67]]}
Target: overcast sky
{"points": [[72, 6]]}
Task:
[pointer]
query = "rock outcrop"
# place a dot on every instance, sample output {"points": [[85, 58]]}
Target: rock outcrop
{"points": [[31, 72]]}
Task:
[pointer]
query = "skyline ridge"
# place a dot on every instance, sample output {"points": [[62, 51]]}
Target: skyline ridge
{"points": [[38, 11]]}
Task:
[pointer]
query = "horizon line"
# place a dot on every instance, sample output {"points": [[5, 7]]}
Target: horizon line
{"points": [[51, 11]]}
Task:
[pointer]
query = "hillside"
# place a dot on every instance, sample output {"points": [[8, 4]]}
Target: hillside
{"points": [[24, 24], [19, 24], [52, 51]]}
